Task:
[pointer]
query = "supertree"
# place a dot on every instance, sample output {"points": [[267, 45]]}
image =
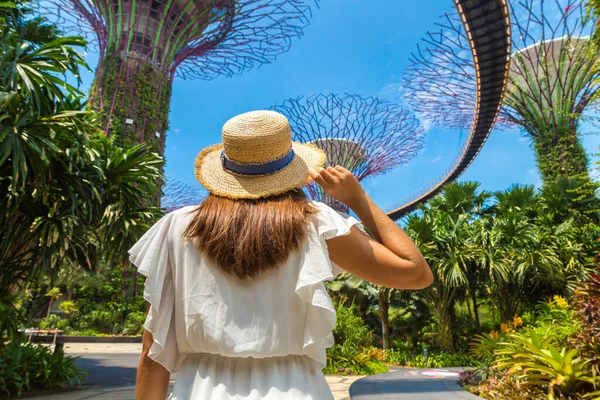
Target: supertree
{"points": [[551, 80], [178, 194], [363, 134], [144, 44]]}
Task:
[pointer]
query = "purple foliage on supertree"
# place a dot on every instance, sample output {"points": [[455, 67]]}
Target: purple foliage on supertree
{"points": [[144, 44], [551, 78], [177, 194], [363, 134], [190, 39]]}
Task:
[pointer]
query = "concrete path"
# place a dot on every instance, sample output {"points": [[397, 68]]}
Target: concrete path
{"points": [[411, 384], [113, 367]]}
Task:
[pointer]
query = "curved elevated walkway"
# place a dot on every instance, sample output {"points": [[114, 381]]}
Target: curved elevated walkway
{"points": [[487, 24], [411, 384]]}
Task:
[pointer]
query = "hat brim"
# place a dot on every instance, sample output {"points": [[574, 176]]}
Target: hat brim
{"points": [[218, 181]]}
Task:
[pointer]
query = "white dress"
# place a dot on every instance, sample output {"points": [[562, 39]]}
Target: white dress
{"points": [[235, 339]]}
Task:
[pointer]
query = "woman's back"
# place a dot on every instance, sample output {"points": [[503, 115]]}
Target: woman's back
{"points": [[199, 309]]}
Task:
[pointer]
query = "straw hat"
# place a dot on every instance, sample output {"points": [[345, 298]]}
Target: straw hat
{"points": [[257, 158]]}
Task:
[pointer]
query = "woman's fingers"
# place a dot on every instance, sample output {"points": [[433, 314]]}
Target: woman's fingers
{"points": [[317, 177], [327, 176], [322, 177], [335, 172]]}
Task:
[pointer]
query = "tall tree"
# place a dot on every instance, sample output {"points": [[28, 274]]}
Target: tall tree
{"points": [[58, 172]]}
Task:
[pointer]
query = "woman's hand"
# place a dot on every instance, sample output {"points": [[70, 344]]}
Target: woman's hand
{"points": [[340, 184]]}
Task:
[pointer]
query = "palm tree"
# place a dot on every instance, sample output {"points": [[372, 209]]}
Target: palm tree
{"points": [[424, 228], [70, 195], [461, 259], [527, 251], [53, 294]]}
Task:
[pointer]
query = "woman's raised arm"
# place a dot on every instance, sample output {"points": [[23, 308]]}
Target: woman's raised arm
{"points": [[391, 259]]}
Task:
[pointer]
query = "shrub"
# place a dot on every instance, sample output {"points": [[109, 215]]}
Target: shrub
{"points": [[53, 321], [368, 362], [535, 361], [134, 323], [352, 352], [69, 307], [101, 320], [443, 360], [586, 301], [32, 366], [506, 387], [557, 319], [11, 319], [399, 357], [351, 333], [483, 346]]}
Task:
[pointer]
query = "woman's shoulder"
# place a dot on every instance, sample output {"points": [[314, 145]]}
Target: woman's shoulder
{"points": [[331, 223]]}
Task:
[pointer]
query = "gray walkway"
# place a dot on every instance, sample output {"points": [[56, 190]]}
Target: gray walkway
{"points": [[112, 370], [411, 384]]}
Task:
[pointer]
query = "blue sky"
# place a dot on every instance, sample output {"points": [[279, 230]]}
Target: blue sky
{"points": [[351, 46]]}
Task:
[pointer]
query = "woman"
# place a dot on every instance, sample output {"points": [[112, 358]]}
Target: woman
{"points": [[235, 286]]}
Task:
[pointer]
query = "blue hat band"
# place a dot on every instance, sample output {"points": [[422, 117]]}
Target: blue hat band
{"points": [[267, 168]]}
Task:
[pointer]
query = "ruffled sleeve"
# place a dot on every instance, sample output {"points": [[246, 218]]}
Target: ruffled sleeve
{"points": [[315, 270], [330, 224], [151, 256]]}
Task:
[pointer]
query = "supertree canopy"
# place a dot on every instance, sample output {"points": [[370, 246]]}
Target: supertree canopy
{"points": [[551, 80], [144, 44], [177, 194], [365, 135]]}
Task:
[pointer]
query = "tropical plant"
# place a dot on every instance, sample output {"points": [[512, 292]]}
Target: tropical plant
{"points": [[67, 190], [68, 307], [53, 321], [53, 294], [536, 361], [483, 346], [31, 366], [134, 323]]}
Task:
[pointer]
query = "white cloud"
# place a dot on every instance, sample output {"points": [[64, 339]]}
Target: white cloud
{"points": [[436, 159], [177, 130]]}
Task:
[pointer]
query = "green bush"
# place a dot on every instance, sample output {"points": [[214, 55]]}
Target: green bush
{"points": [[434, 359], [351, 333], [68, 307], [53, 321], [352, 352], [134, 323], [100, 320], [11, 320], [444, 360], [556, 319], [368, 362], [31, 366]]}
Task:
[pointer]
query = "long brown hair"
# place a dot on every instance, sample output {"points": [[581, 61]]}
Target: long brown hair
{"points": [[246, 237]]}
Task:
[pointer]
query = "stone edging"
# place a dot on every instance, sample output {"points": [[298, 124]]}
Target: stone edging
{"points": [[87, 339]]}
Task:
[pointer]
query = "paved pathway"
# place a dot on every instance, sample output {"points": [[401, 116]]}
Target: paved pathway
{"points": [[113, 367], [411, 384]]}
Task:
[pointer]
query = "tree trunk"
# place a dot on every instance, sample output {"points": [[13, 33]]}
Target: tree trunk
{"points": [[469, 311], [492, 305], [132, 100], [475, 309], [135, 284], [49, 306], [560, 153], [384, 307], [445, 336]]}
